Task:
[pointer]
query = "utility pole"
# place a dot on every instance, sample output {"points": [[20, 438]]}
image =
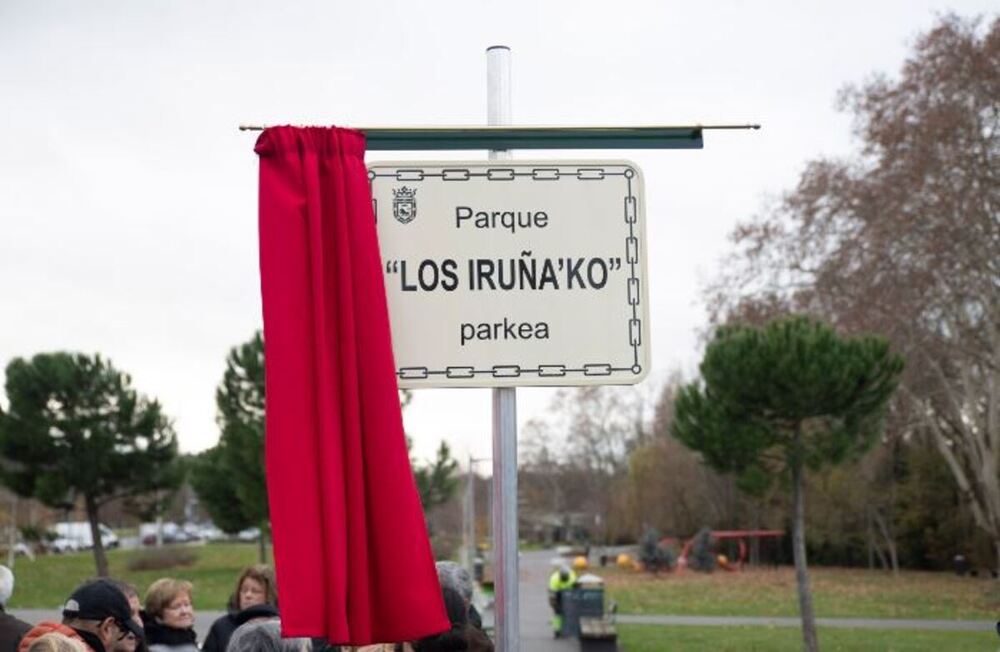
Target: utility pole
{"points": [[470, 515]]}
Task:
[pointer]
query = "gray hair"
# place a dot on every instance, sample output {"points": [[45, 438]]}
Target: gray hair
{"points": [[6, 585], [455, 576], [264, 635]]}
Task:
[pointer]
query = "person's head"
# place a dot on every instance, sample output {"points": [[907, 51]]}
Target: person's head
{"points": [[6, 585], [478, 640], [100, 608], [454, 639], [254, 586], [564, 573], [56, 642], [131, 641], [132, 595], [168, 602], [456, 576], [265, 636]]}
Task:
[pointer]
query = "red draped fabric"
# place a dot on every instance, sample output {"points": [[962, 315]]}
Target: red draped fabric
{"points": [[351, 552]]}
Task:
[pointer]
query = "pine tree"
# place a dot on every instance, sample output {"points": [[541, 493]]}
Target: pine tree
{"points": [[784, 398], [436, 481], [230, 478], [77, 429]]}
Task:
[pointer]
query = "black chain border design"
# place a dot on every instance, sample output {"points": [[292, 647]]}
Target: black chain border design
{"points": [[507, 173]]}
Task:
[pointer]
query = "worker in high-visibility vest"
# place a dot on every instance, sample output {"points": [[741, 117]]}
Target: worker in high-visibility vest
{"points": [[561, 581]]}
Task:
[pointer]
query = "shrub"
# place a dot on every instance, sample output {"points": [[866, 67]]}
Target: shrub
{"points": [[162, 558], [654, 555], [702, 555]]}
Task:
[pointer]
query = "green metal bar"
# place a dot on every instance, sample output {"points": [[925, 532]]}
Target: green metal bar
{"points": [[535, 138]]}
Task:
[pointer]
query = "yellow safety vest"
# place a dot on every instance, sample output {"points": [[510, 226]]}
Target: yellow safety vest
{"points": [[556, 584]]}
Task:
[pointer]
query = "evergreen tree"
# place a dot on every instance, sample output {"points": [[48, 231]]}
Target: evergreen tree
{"points": [[76, 429], [702, 555], [436, 481], [780, 399], [653, 555], [217, 492], [229, 478]]}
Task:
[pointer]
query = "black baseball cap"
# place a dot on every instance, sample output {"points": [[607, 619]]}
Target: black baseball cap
{"points": [[99, 599]]}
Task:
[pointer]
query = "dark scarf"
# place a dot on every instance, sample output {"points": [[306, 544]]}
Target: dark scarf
{"points": [[160, 634], [91, 639], [257, 611]]}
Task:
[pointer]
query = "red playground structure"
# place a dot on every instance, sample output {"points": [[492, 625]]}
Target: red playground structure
{"points": [[740, 536]]}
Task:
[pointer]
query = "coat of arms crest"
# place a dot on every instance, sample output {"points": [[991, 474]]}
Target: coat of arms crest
{"points": [[404, 204]]}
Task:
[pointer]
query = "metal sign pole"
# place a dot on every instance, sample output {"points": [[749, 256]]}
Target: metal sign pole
{"points": [[504, 411]]}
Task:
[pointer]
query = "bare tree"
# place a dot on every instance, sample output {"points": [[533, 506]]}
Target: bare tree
{"points": [[904, 239], [576, 460]]}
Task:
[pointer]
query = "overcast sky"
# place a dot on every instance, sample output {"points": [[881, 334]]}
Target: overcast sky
{"points": [[128, 197]]}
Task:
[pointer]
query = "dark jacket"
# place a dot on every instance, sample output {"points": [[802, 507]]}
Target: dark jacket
{"points": [[223, 628], [162, 638], [11, 631]]}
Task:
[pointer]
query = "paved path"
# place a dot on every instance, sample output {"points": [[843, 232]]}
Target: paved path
{"points": [[533, 594]]}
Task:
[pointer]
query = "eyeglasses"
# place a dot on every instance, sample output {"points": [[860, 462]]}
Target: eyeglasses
{"points": [[123, 631]]}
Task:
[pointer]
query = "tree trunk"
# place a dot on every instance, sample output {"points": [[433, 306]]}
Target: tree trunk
{"points": [[870, 540], [996, 546], [100, 558], [810, 642], [262, 550], [893, 558], [883, 563], [890, 541]]}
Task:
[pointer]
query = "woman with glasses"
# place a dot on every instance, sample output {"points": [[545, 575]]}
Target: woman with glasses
{"points": [[169, 617]]}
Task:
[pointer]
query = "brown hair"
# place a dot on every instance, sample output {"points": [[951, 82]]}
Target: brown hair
{"points": [[56, 642], [162, 592], [261, 573]]}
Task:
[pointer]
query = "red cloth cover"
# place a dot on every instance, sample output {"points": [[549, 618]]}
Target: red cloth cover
{"points": [[351, 552]]}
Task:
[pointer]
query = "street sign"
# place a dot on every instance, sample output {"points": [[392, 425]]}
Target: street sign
{"points": [[514, 273]]}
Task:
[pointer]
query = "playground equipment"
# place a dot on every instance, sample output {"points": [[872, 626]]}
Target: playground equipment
{"points": [[740, 536]]}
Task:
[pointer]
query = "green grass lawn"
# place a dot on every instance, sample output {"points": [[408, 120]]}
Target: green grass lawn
{"points": [[645, 638], [47, 581], [837, 592]]}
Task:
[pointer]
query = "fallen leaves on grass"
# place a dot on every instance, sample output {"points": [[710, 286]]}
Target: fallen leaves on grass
{"points": [[837, 592]]}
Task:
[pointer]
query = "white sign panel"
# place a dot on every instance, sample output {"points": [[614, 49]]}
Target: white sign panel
{"points": [[508, 273]]}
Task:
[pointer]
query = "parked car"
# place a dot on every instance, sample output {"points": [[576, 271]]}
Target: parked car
{"points": [[62, 544], [211, 533], [249, 534], [78, 533], [168, 530]]}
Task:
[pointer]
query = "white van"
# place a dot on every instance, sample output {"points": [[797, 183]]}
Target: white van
{"points": [[78, 532]]}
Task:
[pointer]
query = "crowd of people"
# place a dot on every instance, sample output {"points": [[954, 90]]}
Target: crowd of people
{"points": [[107, 615]]}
